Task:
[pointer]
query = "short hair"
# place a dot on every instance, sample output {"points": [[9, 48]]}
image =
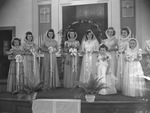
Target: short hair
{"points": [[29, 33], [12, 43], [114, 32], [51, 30], [103, 46], [126, 29], [87, 32]]}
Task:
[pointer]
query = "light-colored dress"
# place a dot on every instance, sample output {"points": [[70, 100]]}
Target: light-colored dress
{"points": [[14, 82], [89, 60], [133, 80], [31, 66], [49, 66], [121, 63], [71, 64], [112, 45], [110, 79]]}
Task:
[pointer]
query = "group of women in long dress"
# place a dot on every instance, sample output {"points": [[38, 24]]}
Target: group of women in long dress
{"points": [[108, 60], [116, 61]]}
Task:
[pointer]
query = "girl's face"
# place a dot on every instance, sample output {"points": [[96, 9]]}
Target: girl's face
{"points": [[50, 34], [110, 32], [16, 43], [72, 35], [89, 36], [124, 33], [132, 44], [102, 50], [29, 38]]}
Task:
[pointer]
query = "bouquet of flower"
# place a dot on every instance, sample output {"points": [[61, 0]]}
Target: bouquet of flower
{"points": [[51, 49], [73, 51], [129, 58], [33, 51], [19, 58]]}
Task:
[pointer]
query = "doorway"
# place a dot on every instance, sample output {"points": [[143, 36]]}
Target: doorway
{"points": [[6, 34], [97, 13]]}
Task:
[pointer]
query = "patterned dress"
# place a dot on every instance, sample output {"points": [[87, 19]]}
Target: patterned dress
{"points": [[49, 66], [14, 82], [71, 68]]}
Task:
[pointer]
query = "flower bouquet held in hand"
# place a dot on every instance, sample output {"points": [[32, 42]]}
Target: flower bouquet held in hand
{"points": [[72, 50], [51, 49], [129, 58]]}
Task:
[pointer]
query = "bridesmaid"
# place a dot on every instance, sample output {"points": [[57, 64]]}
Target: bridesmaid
{"points": [[122, 43], [71, 61], [49, 67], [133, 80], [89, 48], [112, 44], [31, 66], [15, 79]]}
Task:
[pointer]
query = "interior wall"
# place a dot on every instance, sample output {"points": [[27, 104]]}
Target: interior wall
{"points": [[142, 21], [17, 13]]}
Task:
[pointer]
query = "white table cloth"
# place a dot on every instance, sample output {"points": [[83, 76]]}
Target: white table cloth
{"points": [[56, 106]]}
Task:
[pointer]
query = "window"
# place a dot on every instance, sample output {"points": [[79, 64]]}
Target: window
{"points": [[44, 15], [127, 8]]}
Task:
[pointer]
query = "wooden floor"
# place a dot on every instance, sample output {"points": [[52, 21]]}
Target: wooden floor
{"points": [[117, 103]]}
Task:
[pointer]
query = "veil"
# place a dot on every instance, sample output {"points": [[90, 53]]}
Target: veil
{"points": [[84, 38], [134, 51]]}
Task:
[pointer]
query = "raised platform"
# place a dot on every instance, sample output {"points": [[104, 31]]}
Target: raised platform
{"points": [[117, 103]]}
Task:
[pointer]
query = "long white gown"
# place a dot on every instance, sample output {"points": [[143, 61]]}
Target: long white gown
{"points": [[88, 66], [110, 79], [133, 80]]}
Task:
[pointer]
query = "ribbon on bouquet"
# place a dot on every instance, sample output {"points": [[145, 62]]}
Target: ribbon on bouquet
{"points": [[73, 52], [34, 60], [19, 59], [88, 62], [51, 49]]}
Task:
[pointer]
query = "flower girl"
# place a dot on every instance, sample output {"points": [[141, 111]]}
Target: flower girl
{"points": [[104, 71]]}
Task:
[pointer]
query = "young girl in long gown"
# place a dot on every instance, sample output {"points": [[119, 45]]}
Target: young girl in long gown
{"points": [[89, 48], [15, 79], [31, 66], [71, 61], [122, 44], [112, 43], [133, 79], [104, 71], [49, 67]]}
